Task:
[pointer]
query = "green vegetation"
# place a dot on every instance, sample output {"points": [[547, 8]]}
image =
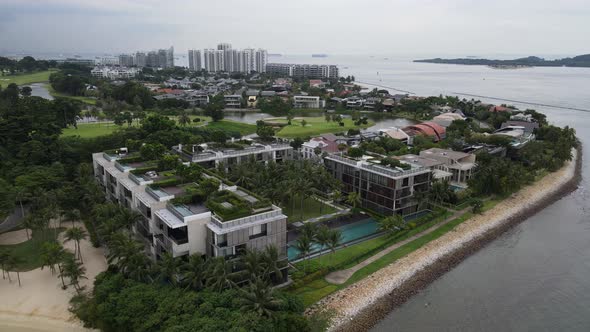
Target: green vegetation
{"points": [[90, 130], [28, 78], [233, 126], [28, 253], [311, 208], [84, 99], [315, 126]]}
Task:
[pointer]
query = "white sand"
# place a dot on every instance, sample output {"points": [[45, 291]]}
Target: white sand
{"points": [[41, 298], [14, 237], [348, 302]]}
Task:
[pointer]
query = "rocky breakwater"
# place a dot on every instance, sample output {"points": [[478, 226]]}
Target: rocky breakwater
{"points": [[360, 306]]}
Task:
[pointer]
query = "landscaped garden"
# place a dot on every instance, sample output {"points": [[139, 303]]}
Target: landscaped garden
{"points": [[315, 126], [22, 79], [311, 208]]}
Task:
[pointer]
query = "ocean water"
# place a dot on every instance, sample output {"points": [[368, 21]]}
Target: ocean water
{"points": [[536, 276]]}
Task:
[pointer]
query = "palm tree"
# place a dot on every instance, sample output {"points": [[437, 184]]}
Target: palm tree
{"points": [[168, 268], [76, 234], [194, 272], [259, 297], [74, 270], [253, 265], [272, 262], [322, 238], [52, 254], [476, 206], [336, 195], [353, 199], [310, 230], [183, 119], [127, 217], [219, 274], [334, 240], [72, 215], [440, 191], [11, 264], [4, 256], [128, 256], [303, 244], [421, 197]]}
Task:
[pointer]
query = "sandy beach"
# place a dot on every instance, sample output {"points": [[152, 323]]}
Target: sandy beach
{"points": [[40, 304], [359, 306]]}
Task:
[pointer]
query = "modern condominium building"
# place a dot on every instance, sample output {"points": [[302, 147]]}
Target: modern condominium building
{"points": [[162, 58], [194, 60], [214, 60], [202, 216], [384, 189], [210, 157], [303, 70], [126, 60]]}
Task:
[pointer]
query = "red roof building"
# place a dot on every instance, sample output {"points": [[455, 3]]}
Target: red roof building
{"points": [[428, 129]]}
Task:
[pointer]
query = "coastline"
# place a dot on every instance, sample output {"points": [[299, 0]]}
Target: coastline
{"points": [[360, 306]]}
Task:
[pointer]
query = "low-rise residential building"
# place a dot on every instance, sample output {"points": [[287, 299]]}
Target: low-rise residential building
{"points": [[384, 189], [459, 164], [520, 135], [209, 156], [371, 102], [114, 72], [446, 119], [315, 147], [354, 102], [317, 84], [232, 101], [307, 102], [428, 129], [201, 216], [396, 133]]}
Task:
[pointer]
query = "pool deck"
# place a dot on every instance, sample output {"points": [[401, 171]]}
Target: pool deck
{"points": [[341, 276]]}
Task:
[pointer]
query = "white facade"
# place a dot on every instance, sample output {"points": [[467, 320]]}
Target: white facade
{"points": [[113, 73], [307, 102], [194, 60]]}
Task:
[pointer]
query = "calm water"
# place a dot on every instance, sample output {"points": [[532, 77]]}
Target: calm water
{"points": [[536, 277]]}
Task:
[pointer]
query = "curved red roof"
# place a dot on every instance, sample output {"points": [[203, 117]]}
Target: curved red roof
{"points": [[430, 129]]}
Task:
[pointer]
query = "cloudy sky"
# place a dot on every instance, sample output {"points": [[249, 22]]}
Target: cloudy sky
{"points": [[407, 27]]}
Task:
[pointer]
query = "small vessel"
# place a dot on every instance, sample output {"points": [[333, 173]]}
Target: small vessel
{"points": [[319, 55]]}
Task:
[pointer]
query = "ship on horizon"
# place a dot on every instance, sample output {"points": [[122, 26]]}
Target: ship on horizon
{"points": [[319, 55]]}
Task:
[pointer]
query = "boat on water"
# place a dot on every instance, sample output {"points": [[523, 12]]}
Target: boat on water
{"points": [[319, 55]]}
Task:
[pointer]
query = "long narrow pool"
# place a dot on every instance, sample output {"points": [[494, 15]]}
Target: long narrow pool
{"points": [[350, 232]]}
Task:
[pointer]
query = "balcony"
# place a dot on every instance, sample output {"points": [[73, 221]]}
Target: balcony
{"points": [[177, 247], [276, 213]]}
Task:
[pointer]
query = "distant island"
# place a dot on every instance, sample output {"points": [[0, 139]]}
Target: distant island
{"points": [[531, 61]]}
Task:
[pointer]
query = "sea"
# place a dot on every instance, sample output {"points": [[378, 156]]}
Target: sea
{"points": [[536, 277]]}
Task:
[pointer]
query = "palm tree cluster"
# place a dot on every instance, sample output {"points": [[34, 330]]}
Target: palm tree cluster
{"points": [[65, 263], [254, 270], [291, 181], [323, 236], [9, 263]]}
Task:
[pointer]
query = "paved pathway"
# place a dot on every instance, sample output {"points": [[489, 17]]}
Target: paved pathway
{"points": [[341, 276], [13, 219]]}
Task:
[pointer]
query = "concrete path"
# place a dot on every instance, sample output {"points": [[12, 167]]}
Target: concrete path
{"points": [[13, 219], [341, 276]]}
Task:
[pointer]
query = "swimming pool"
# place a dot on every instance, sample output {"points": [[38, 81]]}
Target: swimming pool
{"points": [[350, 232]]}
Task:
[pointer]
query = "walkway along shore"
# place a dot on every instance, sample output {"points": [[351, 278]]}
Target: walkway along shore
{"points": [[360, 306]]}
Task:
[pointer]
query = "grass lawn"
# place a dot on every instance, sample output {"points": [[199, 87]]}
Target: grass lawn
{"points": [[29, 252], [86, 100], [91, 130], [229, 125], [22, 79], [315, 126], [311, 209]]}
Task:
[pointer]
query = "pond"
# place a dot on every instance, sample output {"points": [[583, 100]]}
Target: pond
{"points": [[40, 90]]}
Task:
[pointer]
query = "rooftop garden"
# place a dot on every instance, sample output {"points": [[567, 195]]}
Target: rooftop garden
{"points": [[229, 205]]}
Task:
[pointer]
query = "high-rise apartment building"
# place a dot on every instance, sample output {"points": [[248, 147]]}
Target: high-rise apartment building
{"points": [[140, 59], [260, 60], [303, 70], [194, 60], [126, 60], [214, 60]]}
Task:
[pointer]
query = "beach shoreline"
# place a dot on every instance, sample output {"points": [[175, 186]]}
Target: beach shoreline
{"points": [[362, 305]]}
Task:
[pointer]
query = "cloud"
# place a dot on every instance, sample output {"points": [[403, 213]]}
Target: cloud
{"points": [[298, 26]]}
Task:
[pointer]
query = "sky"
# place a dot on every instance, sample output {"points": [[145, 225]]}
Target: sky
{"points": [[403, 27]]}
